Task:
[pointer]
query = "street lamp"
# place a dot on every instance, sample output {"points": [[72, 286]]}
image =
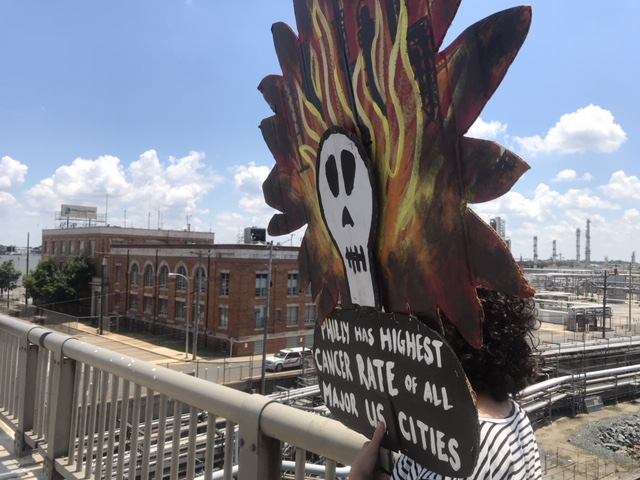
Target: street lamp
{"points": [[186, 317]]}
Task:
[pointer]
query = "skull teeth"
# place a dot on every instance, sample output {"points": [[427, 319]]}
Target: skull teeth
{"points": [[356, 260]]}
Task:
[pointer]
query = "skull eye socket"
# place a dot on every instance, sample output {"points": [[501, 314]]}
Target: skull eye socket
{"points": [[331, 172], [348, 162]]}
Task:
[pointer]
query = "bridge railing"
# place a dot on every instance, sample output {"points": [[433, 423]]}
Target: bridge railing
{"points": [[95, 413]]}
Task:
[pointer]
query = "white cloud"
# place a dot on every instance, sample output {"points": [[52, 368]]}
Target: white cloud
{"points": [[147, 185], [81, 181], [12, 172], [632, 215], [566, 175], [550, 214], [487, 130], [248, 182], [587, 177], [622, 187], [6, 199], [588, 129]]}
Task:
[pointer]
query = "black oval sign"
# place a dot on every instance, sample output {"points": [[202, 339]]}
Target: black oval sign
{"points": [[392, 368]]}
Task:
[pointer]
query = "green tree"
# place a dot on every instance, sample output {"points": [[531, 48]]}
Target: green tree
{"points": [[56, 287], [9, 276]]}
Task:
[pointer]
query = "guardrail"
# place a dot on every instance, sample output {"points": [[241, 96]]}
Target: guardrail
{"points": [[94, 413]]}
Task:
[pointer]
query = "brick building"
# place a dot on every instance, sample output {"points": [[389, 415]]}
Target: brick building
{"points": [[225, 286]]}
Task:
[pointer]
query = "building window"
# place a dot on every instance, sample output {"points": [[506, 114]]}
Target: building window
{"points": [[148, 302], [181, 283], [223, 314], [258, 346], [309, 314], [148, 276], [163, 306], [63, 247], [201, 280], [92, 247], [133, 302], [261, 285], [164, 277], [292, 342], [81, 247], [260, 317], [224, 284], [72, 247], [307, 292], [118, 273], [180, 309], [292, 315], [134, 274], [116, 299], [292, 284], [53, 247], [46, 246]]}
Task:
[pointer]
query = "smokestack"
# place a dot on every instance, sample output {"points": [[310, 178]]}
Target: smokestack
{"points": [[577, 245], [535, 252], [587, 250]]}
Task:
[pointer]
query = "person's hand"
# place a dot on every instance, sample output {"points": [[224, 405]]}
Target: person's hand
{"points": [[366, 465]]}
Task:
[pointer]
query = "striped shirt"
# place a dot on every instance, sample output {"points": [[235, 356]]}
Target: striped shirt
{"points": [[508, 450]]}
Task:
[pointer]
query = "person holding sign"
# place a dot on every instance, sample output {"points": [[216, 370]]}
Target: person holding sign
{"points": [[500, 368]]}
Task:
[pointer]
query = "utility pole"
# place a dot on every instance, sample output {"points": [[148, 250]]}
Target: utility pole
{"points": [[604, 304], [196, 307], [266, 322], [102, 285], [630, 263], [186, 315], [26, 298]]}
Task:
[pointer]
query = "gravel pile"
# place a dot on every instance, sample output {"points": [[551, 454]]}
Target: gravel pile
{"points": [[616, 439]]}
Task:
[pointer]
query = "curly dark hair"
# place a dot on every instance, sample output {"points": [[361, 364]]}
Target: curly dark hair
{"points": [[505, 363]]}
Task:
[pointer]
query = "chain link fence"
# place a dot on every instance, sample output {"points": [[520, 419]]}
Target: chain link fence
{"points": [[565, 464]]}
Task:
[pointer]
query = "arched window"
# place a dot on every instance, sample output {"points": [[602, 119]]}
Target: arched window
{"points": [[134, 274], [201, 280], [181, 283], [148, 276], [164, 277]]}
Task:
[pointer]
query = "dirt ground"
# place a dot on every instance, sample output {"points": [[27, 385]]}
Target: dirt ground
{"points": [[553, 439]]}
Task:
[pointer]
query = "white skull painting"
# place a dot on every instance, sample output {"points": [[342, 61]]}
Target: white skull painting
{"points": [[346, 198]]}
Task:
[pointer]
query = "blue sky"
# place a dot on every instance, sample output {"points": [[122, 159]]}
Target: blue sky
{"points": [[156, 104]]}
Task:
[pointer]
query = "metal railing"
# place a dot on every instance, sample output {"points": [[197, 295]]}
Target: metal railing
{"points": [[95, 413]]}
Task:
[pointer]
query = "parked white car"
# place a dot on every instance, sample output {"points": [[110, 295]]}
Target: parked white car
{"points": [[288, 358]]}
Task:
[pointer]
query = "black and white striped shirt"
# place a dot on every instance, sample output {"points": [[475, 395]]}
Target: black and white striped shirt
{"points": [[508, 450]]}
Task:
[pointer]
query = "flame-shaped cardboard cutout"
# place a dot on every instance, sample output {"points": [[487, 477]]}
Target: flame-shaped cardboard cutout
{"points": [[369, 78]]}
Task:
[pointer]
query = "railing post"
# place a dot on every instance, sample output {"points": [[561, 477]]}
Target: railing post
{"points": [[260, 455], [28, 362], [61, 408]]}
